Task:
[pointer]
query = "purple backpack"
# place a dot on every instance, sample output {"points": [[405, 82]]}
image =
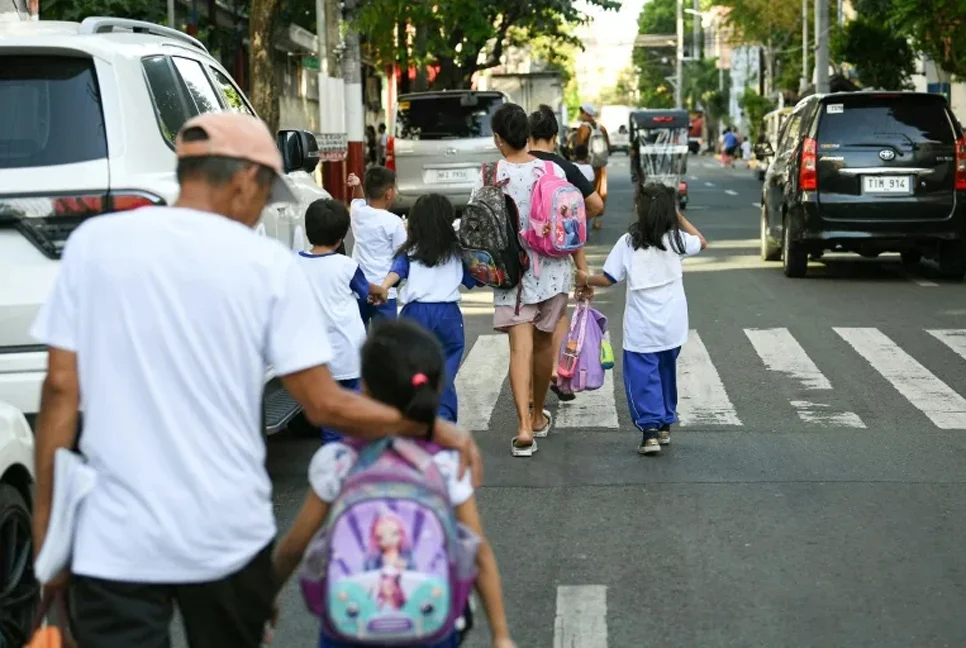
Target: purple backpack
{"points": [[580, 368], [391, 566]]}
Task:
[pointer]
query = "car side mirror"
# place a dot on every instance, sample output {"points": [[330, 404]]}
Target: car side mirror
{"points": [[764, 150], [300, 150]]}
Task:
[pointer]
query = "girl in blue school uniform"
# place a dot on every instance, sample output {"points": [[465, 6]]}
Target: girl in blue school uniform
{"points": [[431, 265], [648, 257]]}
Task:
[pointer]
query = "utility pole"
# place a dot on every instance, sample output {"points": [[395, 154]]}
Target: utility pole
{"points": [[821, 46], [171, 14], [696, 49], [34, 9], [332, 145], [354, 110], [841, 12], [803, 83], [679, 68]]}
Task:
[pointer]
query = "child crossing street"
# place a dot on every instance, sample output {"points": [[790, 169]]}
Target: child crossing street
{"points": [[648, 258]]}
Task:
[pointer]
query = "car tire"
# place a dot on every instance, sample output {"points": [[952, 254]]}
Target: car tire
{"points": [[19, 591], [952, 261], [910, 257], [769, 251], [794, 256]]}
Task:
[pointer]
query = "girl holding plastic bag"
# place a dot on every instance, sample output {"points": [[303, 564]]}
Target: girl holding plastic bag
{"points": [[649, 259]]}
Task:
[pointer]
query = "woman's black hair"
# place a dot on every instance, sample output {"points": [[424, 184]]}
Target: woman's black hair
{"points": [[431, 239], [402, 366], [510, 122], [543, 124], [657, 214]]}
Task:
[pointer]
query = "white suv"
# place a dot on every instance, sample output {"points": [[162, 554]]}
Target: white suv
{"points": [[88, 115]]}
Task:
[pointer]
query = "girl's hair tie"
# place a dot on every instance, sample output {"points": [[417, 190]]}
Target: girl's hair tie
{"points": [[419, 380]]}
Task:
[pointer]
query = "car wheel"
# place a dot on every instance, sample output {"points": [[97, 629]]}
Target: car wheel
{"points": [[769, 251], [794, 256], [910, 257], [952, 261], [19, 591]]}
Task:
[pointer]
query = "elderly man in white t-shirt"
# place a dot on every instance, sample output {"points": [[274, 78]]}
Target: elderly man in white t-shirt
{"points": [[160, 325]]}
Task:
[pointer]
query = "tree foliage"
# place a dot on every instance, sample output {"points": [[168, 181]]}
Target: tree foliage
{"points": [[655, 65], [937, 28], [882, 57], [755, 108], [462, 38]]}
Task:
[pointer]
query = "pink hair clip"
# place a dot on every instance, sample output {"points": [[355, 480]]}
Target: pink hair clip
{"points": [[419, 380]]}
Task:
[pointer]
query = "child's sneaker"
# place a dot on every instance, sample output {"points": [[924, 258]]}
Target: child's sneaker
{"points": [[649, 443], [664, 435]]}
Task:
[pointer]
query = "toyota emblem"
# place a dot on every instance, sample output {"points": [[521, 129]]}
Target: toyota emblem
{"points": [[887, 154], [452, 151]]}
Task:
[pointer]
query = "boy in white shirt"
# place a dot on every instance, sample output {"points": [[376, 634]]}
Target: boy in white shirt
{"points": [[378, 234], [340, 286], [581, 162]]}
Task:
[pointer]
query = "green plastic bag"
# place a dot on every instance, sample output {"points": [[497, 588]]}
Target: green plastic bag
{"points": [[606, 355]]}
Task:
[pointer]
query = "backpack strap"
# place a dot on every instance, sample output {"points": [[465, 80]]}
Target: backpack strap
{"points": [[420, 458], [489, 172]]}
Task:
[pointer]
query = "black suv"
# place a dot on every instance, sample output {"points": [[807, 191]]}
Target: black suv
{"points": [[867, 172]]}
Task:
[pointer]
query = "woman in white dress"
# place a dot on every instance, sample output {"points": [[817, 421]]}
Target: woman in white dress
{"points": [[543, 300]]}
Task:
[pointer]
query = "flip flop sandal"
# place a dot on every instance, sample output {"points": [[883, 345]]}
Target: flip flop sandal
{"points": [[523, 450], [545, 430]]}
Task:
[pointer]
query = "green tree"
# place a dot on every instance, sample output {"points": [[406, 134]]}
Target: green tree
{"points": [[775, 26], [461, 37], [655, 65], [882, 57], [755, 107], [937, 28], [624, 91]]}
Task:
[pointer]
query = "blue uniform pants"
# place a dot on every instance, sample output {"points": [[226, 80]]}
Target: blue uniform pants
{"points": [[370, 312], [329, 435], [651, 382], [450, 642], [445, 321]]}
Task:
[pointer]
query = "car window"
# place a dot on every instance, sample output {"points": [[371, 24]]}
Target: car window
{"points": [[199, 87], [461, 116], [50, 111], [232, 95], [791, 135], [874, 120], [169, 108]]}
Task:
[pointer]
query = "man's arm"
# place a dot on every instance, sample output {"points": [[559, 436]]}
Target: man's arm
{"points": [[56, 428]]}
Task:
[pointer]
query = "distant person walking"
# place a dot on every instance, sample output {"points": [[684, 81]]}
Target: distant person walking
{"points": [[168, 343], [729, 146], [594, 136]]}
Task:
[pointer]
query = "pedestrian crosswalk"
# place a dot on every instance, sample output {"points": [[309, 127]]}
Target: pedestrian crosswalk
{"points": [[766, 357]]}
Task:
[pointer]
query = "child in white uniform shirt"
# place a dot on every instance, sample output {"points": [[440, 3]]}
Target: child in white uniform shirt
{"points": [[377, 232], [431, 264], [649, 257], [338, 282], [580, 161], [402, 366]]}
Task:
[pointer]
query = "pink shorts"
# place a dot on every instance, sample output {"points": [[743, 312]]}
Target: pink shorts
{"points": [[544, 316]]}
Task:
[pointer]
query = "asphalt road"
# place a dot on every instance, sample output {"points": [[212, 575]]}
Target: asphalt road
{"points": [[813, 497]]}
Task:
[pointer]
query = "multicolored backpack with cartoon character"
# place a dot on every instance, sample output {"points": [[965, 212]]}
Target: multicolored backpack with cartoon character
{"points": [[391, 566], [557, 226]]}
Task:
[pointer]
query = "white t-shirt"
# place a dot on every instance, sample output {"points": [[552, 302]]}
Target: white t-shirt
{"points": [[556, 274], [333, 461], [174, 315], [437, 285], [656, 310], [378, 234], [338, 282], [586, 169]]}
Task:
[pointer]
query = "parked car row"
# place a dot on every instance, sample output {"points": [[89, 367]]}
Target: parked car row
{"points": [[866, 172]]}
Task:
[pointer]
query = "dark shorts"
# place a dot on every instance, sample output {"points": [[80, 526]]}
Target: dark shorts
{"points": [[232, 611]]}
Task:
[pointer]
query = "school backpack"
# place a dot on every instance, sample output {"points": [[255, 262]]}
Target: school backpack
{"points": [[558, 219], [391, 566], [597, 147], [580, 367]]}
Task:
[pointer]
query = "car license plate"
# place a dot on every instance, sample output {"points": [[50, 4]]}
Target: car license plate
{"points": [[453, 175], [886, 184]]}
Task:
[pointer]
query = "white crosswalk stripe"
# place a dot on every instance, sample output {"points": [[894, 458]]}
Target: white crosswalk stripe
{"points": [[581, 620], [934, 398], [594, 409], [781, 353], [703, 398]]}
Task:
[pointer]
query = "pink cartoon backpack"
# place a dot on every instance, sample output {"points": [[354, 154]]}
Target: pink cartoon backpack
{"points": [[391, 566], [558, 219]]}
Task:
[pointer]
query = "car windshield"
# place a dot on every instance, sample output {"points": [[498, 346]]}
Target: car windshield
{"points": [[50, 112], [872, 121], [438, 118]]}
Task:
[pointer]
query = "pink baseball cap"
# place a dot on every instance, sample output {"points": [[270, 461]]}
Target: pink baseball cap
{"points": [[241, 137]]}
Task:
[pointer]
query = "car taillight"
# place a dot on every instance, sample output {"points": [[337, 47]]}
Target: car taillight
{"points": [[808, 172], [391, 153], [961, 164], [47, 221]]}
